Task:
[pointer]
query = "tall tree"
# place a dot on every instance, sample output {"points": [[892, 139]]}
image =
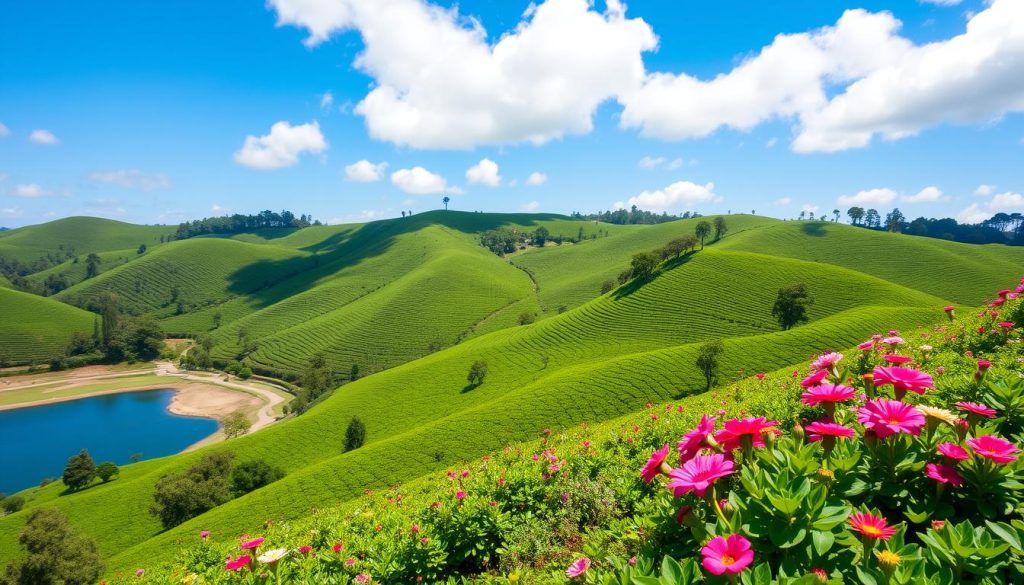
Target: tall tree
{"points": [[445, 200], [79, 471], [856, 215], [791, 305], [355, 434], [720, 227], [894, 220], [92, 265], [702, 231], [643, 264], [872, 219], [837, 214], [707, 361], [55, 553]]}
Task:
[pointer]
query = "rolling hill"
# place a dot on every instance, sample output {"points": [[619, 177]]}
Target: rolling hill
{"points": [[33, 329], [77, 236]]}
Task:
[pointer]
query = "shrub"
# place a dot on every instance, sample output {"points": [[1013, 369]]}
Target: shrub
{"points": [[477, 373], [12, 504], [527, 317], [252, 475], [79, 471], [791, 305], [245, 372], [355, 434], [55, 553], [202, 487], [235, 424], [607, 286], [106, 471]]}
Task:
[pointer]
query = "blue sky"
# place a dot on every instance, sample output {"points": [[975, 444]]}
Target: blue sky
{"points": [[140, 111]]}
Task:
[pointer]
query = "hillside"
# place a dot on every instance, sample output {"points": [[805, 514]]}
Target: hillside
{"points": [[77, 235], [35, 329]]}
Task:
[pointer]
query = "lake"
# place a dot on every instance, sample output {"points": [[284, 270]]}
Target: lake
{"points": [[36, 442]]}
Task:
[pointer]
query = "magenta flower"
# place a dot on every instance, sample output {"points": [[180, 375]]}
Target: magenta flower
{"points": [[984, 364], [653, 466], [695, 440], [735, 429], [252, 544], [460, 495], [759, 375], [866, 346], [994, 448], [826, 361], [140, 572], [730, 554], [240, 562], [697, 474], [871, 526], [893, 340], [897, 359], [820, 429], [975, 408], [204, 534], [943, 473], [578, 568], [889, 417], [949, 308], [814, 379], [827, 392], [953, 451], [903, 379], [362, 578], [1007, 325]]}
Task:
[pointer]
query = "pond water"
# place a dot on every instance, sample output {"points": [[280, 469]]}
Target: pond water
{"points": [[36, 442]]}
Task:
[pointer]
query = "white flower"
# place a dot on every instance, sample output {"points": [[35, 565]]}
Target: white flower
{"points": [[272, 556]]}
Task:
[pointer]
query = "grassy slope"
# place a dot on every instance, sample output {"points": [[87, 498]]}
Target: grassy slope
{"points": [[34, 329], [603, 360], [74, 272], [82, 234]]}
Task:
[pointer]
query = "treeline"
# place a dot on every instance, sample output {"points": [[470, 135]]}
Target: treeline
{"points": [[1001, 228], [15, 271], [503, 241], [116, 337], [237, 223], [633, 215], [644, 264]]}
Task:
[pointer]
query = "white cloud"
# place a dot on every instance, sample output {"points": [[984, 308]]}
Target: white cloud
{"points": [[364, 171], [132, 179], [1002, 203], [782, 201], [419, 181], [870, 197], [326, 100], [674, 164], [530, 207], [484, 172], [985, 190], [536, 178], [9, 212], [650, 162], [941, 2], [282, 147], [4, 130], [808, 208], [29, 191], [439, 83], [219, 210], [678, 195], [43, 137], [926, 195]]}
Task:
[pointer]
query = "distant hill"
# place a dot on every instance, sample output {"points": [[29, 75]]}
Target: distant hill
{"points": [[34, 329]]}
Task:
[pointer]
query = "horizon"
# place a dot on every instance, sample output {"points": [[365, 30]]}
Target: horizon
{"points": [[669, 110]]}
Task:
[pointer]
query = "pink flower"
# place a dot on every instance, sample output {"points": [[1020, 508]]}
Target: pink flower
{"points": [[730, 554], [459, 495], [893, 340], [362, 578], [682, 513], [903, 379], [943, 473], [305, 549], [827, 392], [653, 466], [953, 451], [350, 562], [234, 565], [759, 375], [337, 547], [693, 441], [866, 346], [817, 430], [140, 572], [897, 359], [204, 534], [697, 474], [1006, 325], [978, 409], [814, 379], [984, 364], [994, 448], [826, 361], [871, 526], [888, 417], [252, 544], [737, 428], [948, 308], [578, 568]]}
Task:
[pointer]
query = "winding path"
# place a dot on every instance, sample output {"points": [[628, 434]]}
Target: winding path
{"points": [[264, 416]]}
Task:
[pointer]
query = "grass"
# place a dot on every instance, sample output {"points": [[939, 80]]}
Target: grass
{"points": [[73, 271], [81, 235], [35, 329], [52, 390]]}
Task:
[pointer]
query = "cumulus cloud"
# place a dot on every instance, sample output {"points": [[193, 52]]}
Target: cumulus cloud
{"points": [[440, 84], [1007, 202], [4, 130], [880, 196], [419, 181], [219, 209], [926, 195], [132, 179], [326, 100], [536, 178], [530, 207], [782, 201], [364, 171], [649, 163], [985, 190], [484, 172], [43, 137], [29, 191], [678, 195], [282, 147]]}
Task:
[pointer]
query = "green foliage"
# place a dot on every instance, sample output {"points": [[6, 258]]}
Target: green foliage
{"points": [[106, 471], [791, 305], [702, 231], [79, 471], [248, 476], [642, 266], [720, 227], [235, 424], [477, 373], [184, 495], [136, 339], [12, 504], [355, 434], [708, 361], [55, 553]]}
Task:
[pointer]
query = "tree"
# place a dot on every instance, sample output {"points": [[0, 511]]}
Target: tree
{"points": [[200, 488], [353, 373], [55, 553], [527, 317], [252, 475], [607, 286], [217, 318], [707, 361], [702, 231], [477, 373], [235, 424], [355, 434], [79, 471], [540, 237], [791, 305], [106, 471], [642, 266], [12, 504], [894, 220], [837, 214], [720, 227], [142, 249], [92, 265], [872, 219], [445, 200], [856, 214]]}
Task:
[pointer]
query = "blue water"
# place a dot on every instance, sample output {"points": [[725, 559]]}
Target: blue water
{"points": [[36, 442]]}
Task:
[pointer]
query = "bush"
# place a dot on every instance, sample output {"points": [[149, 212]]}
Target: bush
{"points": [[355, 434], [106, 471], [607, 287], [527, 317], [12, 504], [252, 475], [477, 373], [235, 424], [202, 487], [56, 554], [79, 471], [245, 372]]}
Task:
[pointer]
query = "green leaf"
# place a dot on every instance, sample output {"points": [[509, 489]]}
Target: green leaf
{"points": [[823, 541], [671, 572], [867, 576], [1005, 532], [645, 581]]}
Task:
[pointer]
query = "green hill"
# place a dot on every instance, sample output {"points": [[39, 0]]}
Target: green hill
{"points": [[77, 236], [34, 329]]}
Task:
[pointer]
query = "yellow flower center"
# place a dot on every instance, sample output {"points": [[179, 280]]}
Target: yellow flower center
{"points": [[871, 530], [727, 560]]}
